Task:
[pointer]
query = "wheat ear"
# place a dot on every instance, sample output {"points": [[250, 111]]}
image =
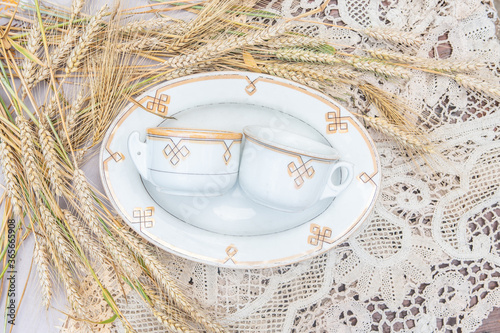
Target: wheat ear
{"points": [[307, 56], [378, 67], [284, 71], [146, 43], [78, 53], [29, 154], [90, 215], [73, 112], [478, 85], [437, 65], [10, 177], [163, 24], [162, 276], [58, 56], [223, 46], [48, 145], [294, 40], [82, 234], [394, 36], [42, 262], [76, 8], [29, 67], [56, 236], [70, 286], [406, 140], [170, 324]]}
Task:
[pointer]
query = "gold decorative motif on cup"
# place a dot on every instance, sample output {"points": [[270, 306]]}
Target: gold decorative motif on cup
{"points": [[175, 152], [300, 172]]}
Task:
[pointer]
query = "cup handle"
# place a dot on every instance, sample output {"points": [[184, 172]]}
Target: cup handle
{"points": [[138, 151], [332, 190]]}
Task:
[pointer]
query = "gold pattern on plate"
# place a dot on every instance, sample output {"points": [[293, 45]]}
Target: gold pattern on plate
{"points": [[336, 123], [144, 216], [365, 178], [301, 171], [157, 104], [319, 236], [251, 89], [231, 251]]}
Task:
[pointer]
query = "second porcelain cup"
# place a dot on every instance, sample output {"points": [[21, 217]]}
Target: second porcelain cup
{"points": [[187, 161], [288, 172]]}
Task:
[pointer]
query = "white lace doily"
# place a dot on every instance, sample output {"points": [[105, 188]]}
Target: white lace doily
{"points": [[428, 259]]}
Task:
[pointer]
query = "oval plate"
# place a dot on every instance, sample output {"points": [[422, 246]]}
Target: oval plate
{"points": [[230, 230]]}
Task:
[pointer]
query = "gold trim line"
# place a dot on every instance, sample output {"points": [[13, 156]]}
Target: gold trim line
{"points": [[194, 133]]}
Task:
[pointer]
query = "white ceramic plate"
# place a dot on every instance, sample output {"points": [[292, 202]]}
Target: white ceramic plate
{"points": [[231, 230]]}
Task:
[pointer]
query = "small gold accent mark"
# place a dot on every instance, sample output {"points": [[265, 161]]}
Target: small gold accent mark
{"points": [[231, 251], [144, 216]]}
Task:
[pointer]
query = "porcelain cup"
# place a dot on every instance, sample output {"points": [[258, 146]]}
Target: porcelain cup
{"points": [[188, 162], [289, 172]]}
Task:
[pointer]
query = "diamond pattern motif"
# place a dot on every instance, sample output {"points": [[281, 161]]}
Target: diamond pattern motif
{"points": [[175, 152], [300, 172]]}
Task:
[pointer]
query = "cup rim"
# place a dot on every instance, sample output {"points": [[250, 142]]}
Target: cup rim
{"points": [[252, 132], [193, 133]]}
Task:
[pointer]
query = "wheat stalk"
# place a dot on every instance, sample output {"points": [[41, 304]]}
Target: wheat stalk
{"points": [[294, 40], [394, 36], [78, 53], [76, 8], [48, 144], [73, 113], [90, 215], [163, 24], [405, 139], [29, 154], [307, 56], [82, 234], [437, 65], [390, 106], [478, 85], [226, 45], [55, 235], [158, 271], [207, 18], [170, 324], [343, 72], [70, 286], [146, 43], [285, 72], [42, 262], [33, 43], [378, 67], [57, 58], [10, 172]]}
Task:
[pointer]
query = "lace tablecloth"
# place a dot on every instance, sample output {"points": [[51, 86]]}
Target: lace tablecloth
{"points": [[428, 259]]}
